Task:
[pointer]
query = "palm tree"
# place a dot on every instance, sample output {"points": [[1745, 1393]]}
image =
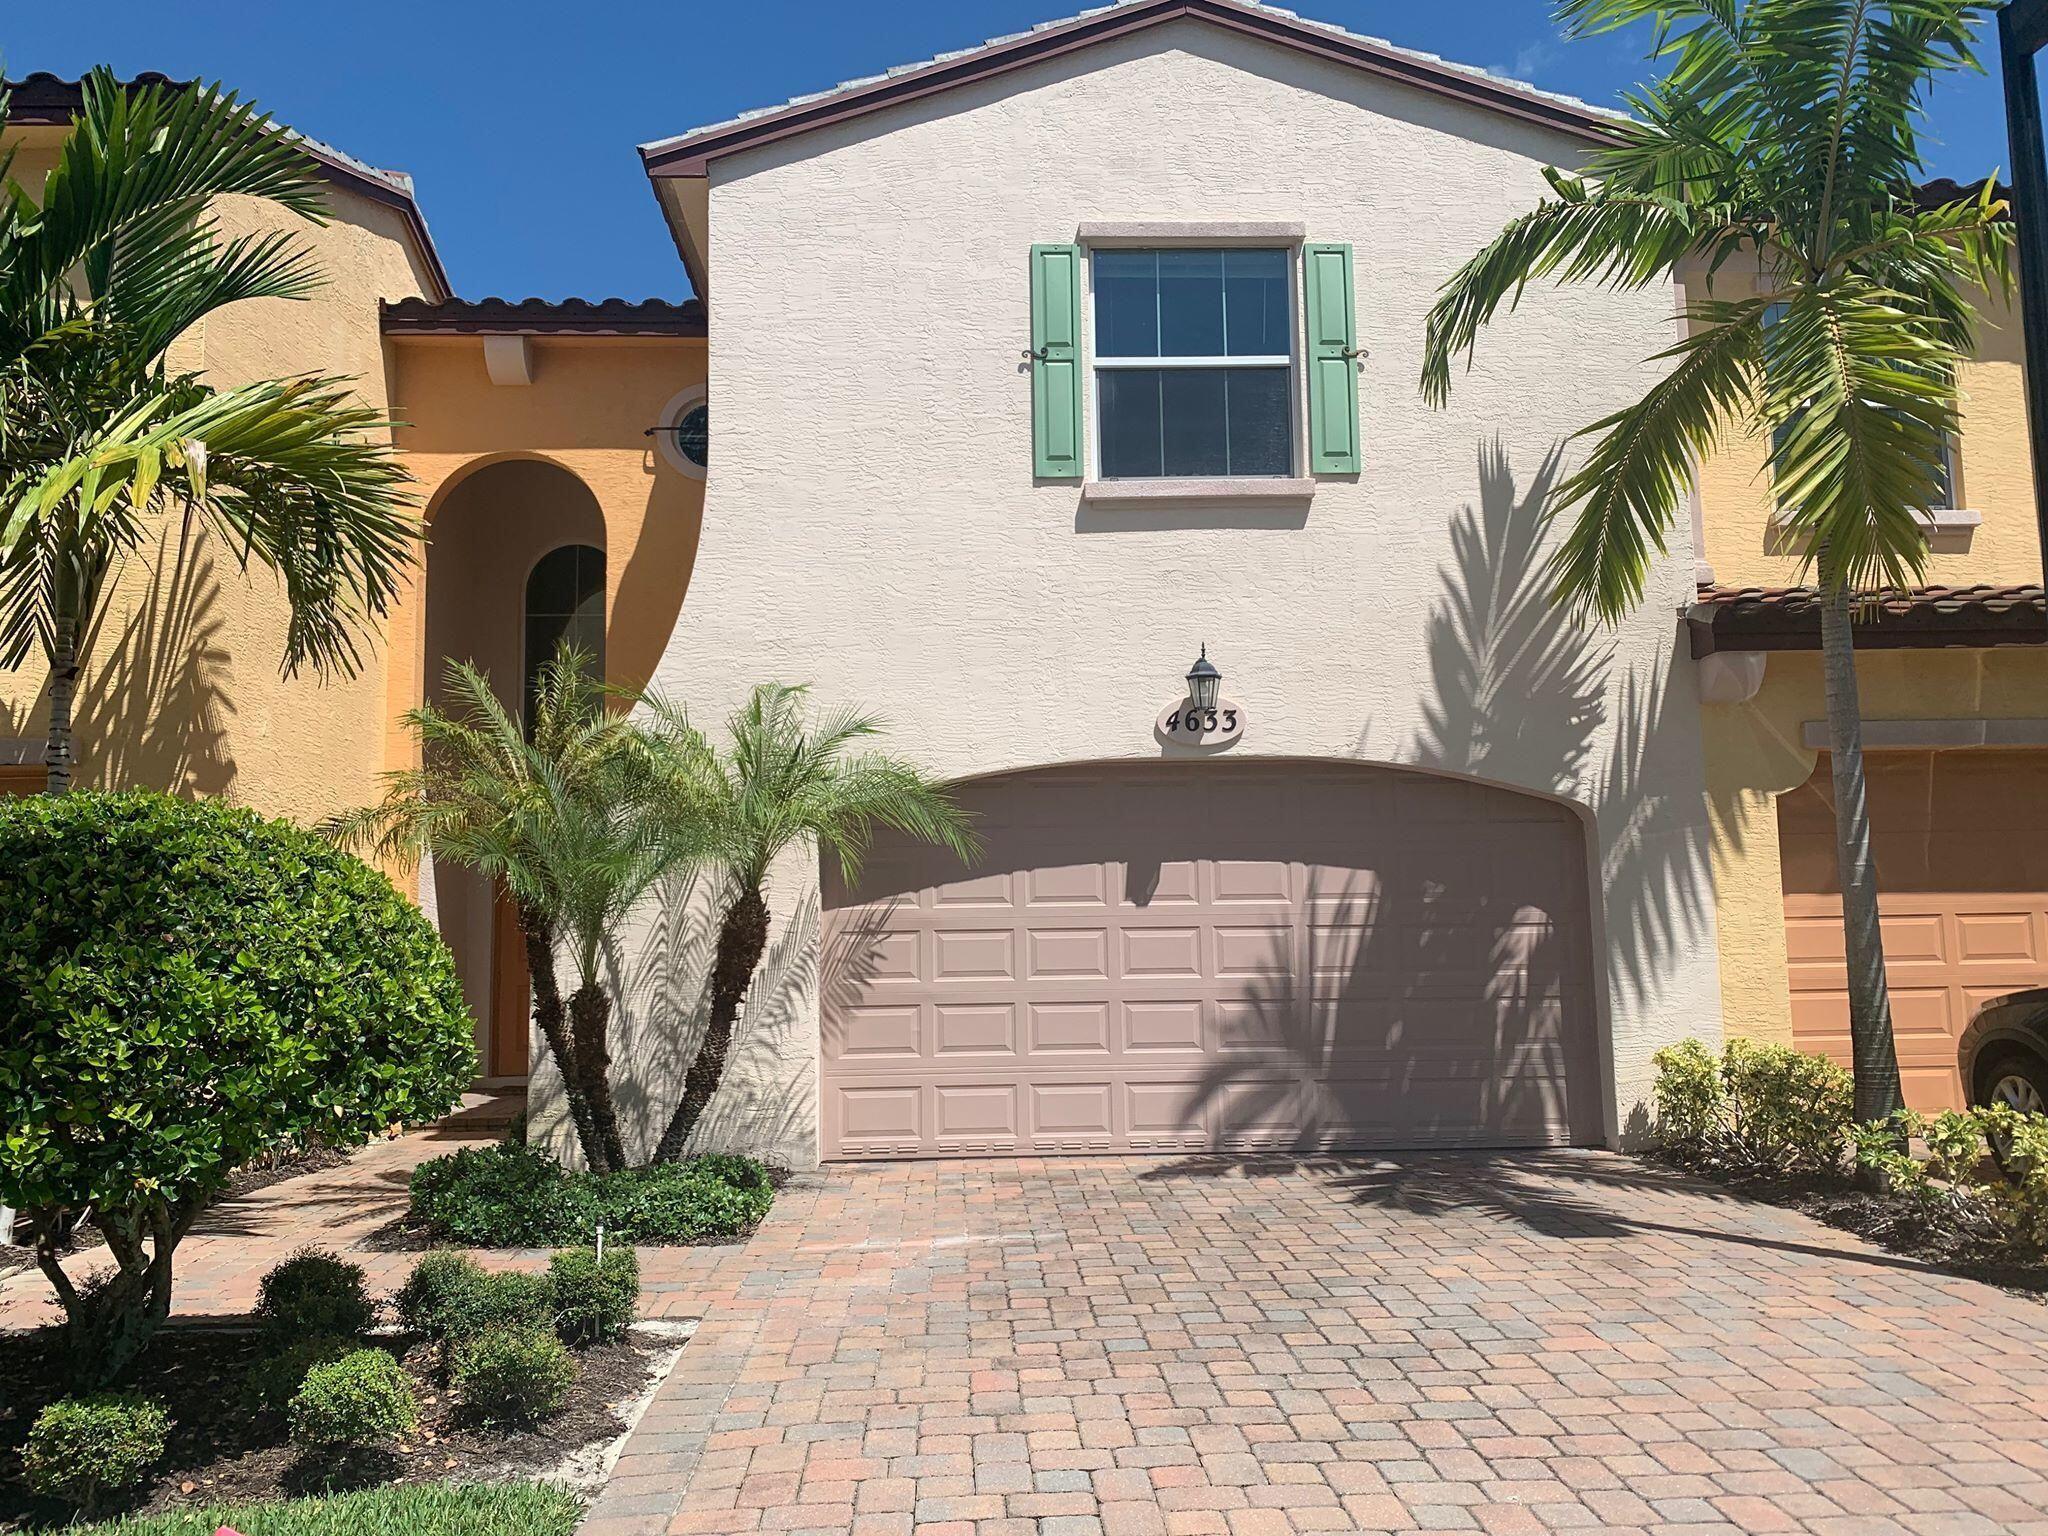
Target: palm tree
{"points": [[784, 778], [553, 813], [98, 436], [1783, 142]]}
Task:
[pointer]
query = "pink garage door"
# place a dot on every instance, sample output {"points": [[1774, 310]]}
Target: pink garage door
{"points": [[1173, 957]]}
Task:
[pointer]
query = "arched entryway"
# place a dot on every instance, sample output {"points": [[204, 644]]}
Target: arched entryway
{"points": [[515, 565], [1188, 956]]}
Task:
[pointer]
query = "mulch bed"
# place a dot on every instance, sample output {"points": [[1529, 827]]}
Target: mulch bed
{"points": [[223, 1451], [1888, 1223]]}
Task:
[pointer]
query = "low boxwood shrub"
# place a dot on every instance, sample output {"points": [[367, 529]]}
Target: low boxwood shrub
{"points": [[314, 1293], [1760, 1109], [422, 1301], [515, 1376], [595, 1299], [511, 1196], [361, 1399], [505, 1195], [85, 1450], [275, 1380]]}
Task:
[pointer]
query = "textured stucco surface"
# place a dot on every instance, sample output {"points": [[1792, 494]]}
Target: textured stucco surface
{"points": [[872, 526], [182, 688], [1754, 753]]}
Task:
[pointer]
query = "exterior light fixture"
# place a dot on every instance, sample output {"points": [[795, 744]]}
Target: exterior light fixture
{"points": [[1205, 683]]}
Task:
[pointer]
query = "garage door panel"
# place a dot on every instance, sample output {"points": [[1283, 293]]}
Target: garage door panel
{"points": [[1961, 843], [1163, 959], [1070, 1030]]}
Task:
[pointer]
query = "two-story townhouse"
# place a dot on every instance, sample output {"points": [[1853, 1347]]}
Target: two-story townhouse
{"points": [[1042, 369]]}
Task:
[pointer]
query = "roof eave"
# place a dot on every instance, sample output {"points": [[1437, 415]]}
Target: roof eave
{"points": [[693, 154]]}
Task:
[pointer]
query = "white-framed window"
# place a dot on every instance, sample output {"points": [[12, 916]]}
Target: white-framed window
{"points": [[683, 437], [1194, 362]]}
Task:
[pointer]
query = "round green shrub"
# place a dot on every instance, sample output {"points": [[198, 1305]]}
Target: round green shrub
{"points": [[85, 1449], [490, 1301], [595, 1300], [315, 1293], [422, 1301], [188, 986], [516, 1375], [505, 1195], [275, 1380], [359, 1400]]}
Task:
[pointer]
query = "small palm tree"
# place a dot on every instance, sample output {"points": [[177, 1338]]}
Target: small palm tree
{"points": [[783, 779], [98, 436], [551, 813], [1782, 141]]}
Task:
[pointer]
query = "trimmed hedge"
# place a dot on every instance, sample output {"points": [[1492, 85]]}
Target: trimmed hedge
{"points": [[313, 1293], [364, 1398], [85, 1449], [513, 1375], [512, 1196], [595, 1299]]}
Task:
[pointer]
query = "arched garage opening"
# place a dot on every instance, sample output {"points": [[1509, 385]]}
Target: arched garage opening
{"points": [[1186, 956], [515, 563]]}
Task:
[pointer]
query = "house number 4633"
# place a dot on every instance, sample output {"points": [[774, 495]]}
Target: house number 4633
{"points": [[1186, 724]]}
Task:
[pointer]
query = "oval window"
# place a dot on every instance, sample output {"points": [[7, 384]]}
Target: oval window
{"points": [[693, 435]]}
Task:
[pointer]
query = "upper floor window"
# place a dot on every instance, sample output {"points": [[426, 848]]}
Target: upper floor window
{"points": [[683, 436], [1194, 363]]}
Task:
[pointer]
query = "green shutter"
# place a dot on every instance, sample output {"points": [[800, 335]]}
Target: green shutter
{"points": [[1332, 373], [1056, 362]]}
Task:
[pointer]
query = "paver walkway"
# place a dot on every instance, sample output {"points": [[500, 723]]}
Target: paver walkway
{"points": [[1527, 1343]]}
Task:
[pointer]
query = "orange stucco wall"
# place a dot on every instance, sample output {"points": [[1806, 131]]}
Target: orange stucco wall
{"points": [[586, 411]]}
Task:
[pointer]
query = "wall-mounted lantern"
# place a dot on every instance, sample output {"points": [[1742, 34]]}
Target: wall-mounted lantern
{"points": [[1205, 683]]}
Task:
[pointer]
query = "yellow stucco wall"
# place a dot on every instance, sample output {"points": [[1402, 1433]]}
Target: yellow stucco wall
{"points": [[1992, 474], [181, 689], [1754, 751]]}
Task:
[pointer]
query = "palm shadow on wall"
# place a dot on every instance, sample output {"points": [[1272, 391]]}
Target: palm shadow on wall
{"points": [[666, 1002], [1518, 693], [153, 710]]}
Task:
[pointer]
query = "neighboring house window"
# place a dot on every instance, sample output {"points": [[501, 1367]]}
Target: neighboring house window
{"points": [[1193, 363], [564, 601], [1944, 499]]}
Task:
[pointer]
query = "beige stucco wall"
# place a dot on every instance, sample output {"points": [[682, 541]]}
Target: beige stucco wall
{"points": [[873, 527], [182, 688]]}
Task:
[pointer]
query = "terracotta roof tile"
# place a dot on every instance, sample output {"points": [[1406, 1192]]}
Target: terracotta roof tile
{"points": [[1788, 618], [543, 317]]}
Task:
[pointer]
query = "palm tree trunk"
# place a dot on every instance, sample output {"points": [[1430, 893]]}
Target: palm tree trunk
{"points": [[742, 940], [1870, 1004], [63, 692], [590, 1017], [548, 1014]]}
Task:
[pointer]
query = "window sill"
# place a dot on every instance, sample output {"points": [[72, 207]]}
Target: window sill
{"points": [[1199, 489], [1948, 531]]}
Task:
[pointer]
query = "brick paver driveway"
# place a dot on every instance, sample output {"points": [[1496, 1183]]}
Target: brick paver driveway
{"points": [[1510, 1344]]}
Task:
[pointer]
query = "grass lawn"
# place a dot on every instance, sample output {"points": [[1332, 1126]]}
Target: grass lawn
{"points": [[420, 1509]]}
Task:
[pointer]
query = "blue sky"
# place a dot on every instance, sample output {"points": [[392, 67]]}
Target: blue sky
{"points": [[519, 119]]}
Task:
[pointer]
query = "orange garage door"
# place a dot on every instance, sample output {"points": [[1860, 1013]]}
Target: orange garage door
{"points": [[1961, 840]]}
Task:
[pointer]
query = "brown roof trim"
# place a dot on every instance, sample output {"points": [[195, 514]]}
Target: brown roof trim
{"points": [[44, 100], [692, 154], [1788, 619], [542, 317]]}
